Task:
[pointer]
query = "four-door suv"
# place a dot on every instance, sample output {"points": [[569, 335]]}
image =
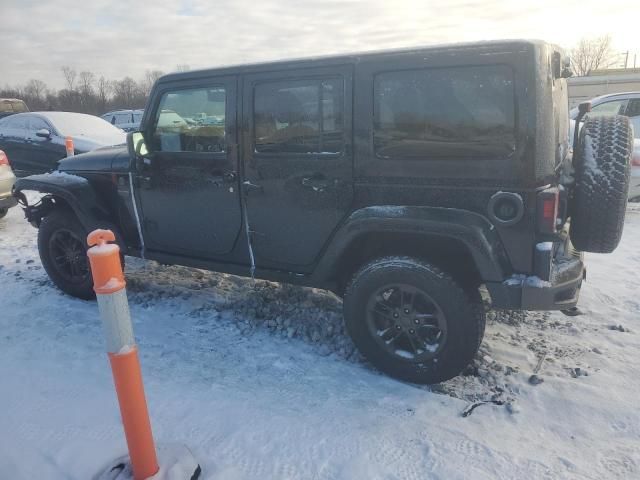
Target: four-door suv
{"points": [[404, 181]]}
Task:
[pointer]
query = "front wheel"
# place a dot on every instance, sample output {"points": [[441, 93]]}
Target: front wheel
{"points": [[411, 320], [63, 251]]}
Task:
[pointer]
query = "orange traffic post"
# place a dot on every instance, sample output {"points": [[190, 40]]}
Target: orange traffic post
{"points": [[68, 144], [109, 285]]}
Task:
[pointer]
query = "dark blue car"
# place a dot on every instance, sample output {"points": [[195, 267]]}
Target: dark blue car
{"points": [[35, 141]]}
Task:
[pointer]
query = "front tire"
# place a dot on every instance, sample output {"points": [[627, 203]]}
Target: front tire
{"points": [[63, 251], [411, 320]]}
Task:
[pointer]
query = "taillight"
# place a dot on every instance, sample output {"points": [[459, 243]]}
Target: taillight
{"points": [[548, 210], [4, 160]]}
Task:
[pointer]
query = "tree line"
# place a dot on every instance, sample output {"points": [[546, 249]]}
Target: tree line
{"points": [[85, 92]]}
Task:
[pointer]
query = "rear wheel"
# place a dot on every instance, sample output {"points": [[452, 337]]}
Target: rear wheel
{"points": [[412, 320], [63, 251]]}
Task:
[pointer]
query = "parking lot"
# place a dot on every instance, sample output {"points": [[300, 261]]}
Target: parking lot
{"points": [[261, 381]]}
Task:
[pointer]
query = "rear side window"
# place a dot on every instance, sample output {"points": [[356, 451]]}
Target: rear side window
{"points": [[191, 120], [633, 109], [614, 107], [299, 116], [445, 112]]}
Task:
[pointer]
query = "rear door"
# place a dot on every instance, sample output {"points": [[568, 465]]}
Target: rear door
{"points": [[297, 162], [188, 190]]}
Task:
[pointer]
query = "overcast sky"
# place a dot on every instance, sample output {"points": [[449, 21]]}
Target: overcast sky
{"points": [[128, 37]]}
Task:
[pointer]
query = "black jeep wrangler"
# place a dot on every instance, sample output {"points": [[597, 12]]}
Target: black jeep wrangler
{"points": [[408, 182]]}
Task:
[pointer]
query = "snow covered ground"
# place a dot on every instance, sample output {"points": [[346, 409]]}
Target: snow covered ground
{"points": [[260, 381]]}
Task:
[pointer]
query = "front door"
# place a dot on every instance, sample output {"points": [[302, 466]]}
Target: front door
{"points": [[42, 154], [187, 190], [297, 162]]}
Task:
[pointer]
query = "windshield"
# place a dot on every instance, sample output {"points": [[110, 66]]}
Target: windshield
{"points": [[15, 106], [79, 124]]}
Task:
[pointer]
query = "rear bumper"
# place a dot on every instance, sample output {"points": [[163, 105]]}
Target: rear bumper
{"points": [[560, 291]]}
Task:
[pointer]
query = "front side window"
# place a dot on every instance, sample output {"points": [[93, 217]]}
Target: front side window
{"points": [[36, 124], [190, 120], [299, 116], [445, 112]]}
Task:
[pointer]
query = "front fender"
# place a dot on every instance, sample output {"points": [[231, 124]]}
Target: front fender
{"points": [[476, 232], [74, 190]]}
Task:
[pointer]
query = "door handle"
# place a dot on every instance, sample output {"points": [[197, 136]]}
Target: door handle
{"points": [[248, 187], [316, 182]]}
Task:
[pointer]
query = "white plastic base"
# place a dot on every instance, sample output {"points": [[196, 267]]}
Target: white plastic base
{"points": [[176, 463]]}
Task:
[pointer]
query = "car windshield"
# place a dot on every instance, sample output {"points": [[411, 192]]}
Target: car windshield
{"points": [[78, 124], [15, 106]]}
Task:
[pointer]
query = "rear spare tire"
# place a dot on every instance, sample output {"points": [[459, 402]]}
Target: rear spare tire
{"points": [[602, 183]]}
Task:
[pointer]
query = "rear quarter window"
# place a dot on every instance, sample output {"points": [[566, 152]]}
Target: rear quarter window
{"points": [[458, 112]]}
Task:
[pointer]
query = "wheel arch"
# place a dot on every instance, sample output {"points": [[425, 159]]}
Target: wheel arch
{"points": [[67, 191], [457, 241]]}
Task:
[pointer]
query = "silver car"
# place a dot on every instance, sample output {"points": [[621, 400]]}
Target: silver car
{"points": [[627, 104], [7, 178]]}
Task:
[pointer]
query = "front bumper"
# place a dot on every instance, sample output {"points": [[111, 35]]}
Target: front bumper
{"points": [[8, 201], [555, 286]]}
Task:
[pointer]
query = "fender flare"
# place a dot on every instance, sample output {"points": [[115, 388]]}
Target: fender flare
{"points": [[74, 190], [471, 229]]}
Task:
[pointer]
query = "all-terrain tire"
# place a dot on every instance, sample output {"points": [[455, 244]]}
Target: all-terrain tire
{"points": [[602, 183], [465, 318], [54, 223], [3, 212], [66, 221]]}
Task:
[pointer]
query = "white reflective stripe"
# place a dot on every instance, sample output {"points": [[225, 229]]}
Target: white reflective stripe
{"points": [[135, 212], [116, 320]]}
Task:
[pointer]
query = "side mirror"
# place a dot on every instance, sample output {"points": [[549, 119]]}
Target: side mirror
{"points": [[136, 145], [43, 133]]}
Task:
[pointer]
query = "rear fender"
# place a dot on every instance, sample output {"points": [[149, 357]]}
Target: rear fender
{"points": [[72, 190], [477, 234]]}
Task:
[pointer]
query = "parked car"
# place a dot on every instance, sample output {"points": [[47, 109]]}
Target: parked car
{"points": [[127, 120], [634, 184], [9, 106], [36, 141], [7, 179], [403, 181], [627, 104]]}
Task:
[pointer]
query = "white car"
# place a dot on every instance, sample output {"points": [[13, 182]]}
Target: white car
{"points": [[627, 104], [634, 184], [127, 120]]}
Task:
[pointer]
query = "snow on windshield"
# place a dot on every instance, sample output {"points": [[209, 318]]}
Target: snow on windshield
{"points": [[80, 124]]}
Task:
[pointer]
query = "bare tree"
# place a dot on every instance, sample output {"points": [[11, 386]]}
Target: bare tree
{"points": [[104, 88], [86, 82], [69, 76], [591, 54], [35, 89], [150, 78]]}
